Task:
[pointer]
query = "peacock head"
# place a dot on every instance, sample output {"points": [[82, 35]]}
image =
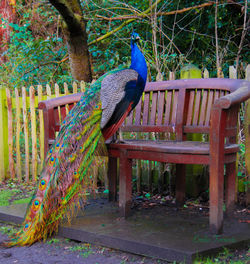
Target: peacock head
{"points": [[135, 37]]}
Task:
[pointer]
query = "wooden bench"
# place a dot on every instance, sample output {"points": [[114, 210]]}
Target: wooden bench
{"points": [[206, 106]]}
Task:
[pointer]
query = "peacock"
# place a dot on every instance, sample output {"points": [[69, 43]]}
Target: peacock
{"points": [[67, 168]]}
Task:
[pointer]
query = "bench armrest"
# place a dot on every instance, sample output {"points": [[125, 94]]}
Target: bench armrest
{"points": [[237, 97], [59, 101]]}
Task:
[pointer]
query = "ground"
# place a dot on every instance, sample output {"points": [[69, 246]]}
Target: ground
{"points": [[65, 251]]}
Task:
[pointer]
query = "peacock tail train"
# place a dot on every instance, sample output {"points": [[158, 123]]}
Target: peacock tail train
{"points": [[67, 170]]}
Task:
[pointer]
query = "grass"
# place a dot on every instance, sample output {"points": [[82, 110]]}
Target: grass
{"points": [[15, 193], [84, 249], [226, 256], [8, 230], [22, 201], [5, 196]]}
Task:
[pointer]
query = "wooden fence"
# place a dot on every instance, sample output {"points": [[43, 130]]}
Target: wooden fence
{"points": [[22, 131], [21, 128]]}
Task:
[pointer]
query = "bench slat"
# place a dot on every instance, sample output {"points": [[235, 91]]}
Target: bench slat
{"points": [[129, 119], [203, 107], [145, 109], [197, 107], [190, 108], [148, 128], [161, 97], [209, 106], [168, 107], [174, 107], [153, 109], [138, 113]]}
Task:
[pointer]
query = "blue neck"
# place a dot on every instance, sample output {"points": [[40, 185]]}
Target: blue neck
{"points": [[138, 62]]}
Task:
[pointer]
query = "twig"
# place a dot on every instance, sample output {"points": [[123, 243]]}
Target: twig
{"points": [[48, 63], [123, 24], [216, 40], [140, 16], [243, 35]]}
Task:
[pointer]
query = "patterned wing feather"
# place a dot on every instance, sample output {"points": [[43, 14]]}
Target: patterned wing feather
{"points": [[112, 91]]}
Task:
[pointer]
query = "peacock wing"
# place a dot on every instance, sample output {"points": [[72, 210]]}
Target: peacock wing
{"points": [[113, 91]]}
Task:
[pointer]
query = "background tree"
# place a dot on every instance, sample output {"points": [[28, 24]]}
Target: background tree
{"points": [[74, 27]]}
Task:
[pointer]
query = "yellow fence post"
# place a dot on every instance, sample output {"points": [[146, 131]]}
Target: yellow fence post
{"points": [[193, 171], [4, 153]]}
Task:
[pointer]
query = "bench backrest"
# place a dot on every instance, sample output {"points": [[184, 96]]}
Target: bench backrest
{"points": [[179, 107]]}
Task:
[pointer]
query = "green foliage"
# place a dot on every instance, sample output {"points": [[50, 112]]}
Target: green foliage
{"points": [[32, 60]]}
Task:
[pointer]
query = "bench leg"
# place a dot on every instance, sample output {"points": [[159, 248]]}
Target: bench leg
{"points": [[230, 187], [180, 183], [125, 185], [216, 194], [112, 176]]}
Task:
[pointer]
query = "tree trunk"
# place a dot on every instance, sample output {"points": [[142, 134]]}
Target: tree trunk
{"points": [[76, 37]]}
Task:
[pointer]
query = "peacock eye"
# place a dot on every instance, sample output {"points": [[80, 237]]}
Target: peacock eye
{"points": [[36, 203]]}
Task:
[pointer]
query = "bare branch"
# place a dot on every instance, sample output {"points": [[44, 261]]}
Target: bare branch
{"points": [[243, 35], [124, 24], [140, 16]]}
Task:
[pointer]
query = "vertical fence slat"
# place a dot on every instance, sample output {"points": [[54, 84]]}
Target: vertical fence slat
{"points": [[57, 93], [66, 92], [74, 87], [206, 74], [18, 131], [26, 134], [41, 124], [232, 72], [33, 132], [48, 91], [3, 135], [83, 86], [10, 134]]}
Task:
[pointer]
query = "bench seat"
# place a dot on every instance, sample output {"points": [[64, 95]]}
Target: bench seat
{"points": [[164, 146]]}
